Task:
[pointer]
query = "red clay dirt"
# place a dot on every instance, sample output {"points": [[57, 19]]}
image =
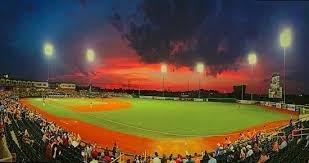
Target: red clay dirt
{"points": [[138, 145]]}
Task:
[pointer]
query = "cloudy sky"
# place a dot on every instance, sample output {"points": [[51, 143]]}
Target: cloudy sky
{"points": [[131, 38]]}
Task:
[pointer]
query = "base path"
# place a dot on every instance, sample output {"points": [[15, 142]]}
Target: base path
{"points": [[138, 145]]}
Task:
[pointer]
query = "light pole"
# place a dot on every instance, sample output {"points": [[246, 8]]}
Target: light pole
{"points": [[163, 71], [90, 57], [285, 42], [252, 61], [200, 70], [48, 52]]}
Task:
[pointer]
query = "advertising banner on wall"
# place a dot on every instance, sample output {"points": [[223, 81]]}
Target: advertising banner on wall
{"points": [[158, 98], [146, 97], [291, 107], [198, 99]]}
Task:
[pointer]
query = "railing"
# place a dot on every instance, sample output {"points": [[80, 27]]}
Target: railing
{"points": [[301, 133], [118, 158], [5, 153]]}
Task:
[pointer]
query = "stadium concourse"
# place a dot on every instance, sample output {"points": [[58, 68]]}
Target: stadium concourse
{"points": [[30, 137]]}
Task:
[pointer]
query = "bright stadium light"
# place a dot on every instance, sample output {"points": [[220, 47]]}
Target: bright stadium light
{"points": [[286, 37], [252, 60], [90, 55], [285, 42], [199, 69], [48, 49], [163, 71], [163, 68]]}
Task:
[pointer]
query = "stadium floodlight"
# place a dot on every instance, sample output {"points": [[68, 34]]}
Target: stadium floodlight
{"points": [[199, 69], [163, 71], [163, 68], [286, 37], [252, 60], [90, 55], [285, 42], [48, 50]]}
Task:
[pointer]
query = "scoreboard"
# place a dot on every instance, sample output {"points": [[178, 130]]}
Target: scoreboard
{"points": [[275, 91]]}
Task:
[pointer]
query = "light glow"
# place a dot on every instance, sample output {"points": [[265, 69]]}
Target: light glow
{"points": [[252, 58], [200, 67], [163, 68], [48, 49], [90, 55], [286, 38]]}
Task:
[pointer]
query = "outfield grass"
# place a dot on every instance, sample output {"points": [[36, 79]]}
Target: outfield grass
{"points": [[168, 119]]}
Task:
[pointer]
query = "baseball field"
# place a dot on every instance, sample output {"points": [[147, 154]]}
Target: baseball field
{"points": [[155, 125]]}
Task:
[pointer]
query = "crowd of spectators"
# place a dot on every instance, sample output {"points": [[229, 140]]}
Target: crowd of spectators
{"points": [[252, 146], [54, 138]]}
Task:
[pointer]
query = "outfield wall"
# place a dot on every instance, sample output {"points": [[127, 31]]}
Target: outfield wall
{"points": [[290, 107], [190, 99]]}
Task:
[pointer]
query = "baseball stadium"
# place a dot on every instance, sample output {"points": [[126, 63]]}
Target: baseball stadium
{"points": [[153, 81]]}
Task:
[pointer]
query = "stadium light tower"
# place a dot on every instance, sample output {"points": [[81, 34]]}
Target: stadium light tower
{"points": [[200, 70], [252, 61], [48, 49], [163, 71], [90, 57], [285, 42]]}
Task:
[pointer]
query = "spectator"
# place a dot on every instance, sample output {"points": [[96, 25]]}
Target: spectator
{"points": [[84, 154], [48, 152], [114, 150], [88, 151], [195, 158], [264, 157], [189, 160], [135, 159], [94, 153], [212, 158], [156, 159], [205, 157], [242, 155], [218, 149], [276, 146], [107, 157], [94, 160], [164, 159], [171, 159], [294, 132], [179, 159], [283, 143], [249, 151]]}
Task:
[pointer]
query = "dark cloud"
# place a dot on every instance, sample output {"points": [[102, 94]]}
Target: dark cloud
{"points": [[183, 32]]}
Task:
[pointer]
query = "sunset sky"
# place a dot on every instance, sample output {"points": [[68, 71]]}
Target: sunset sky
{"points": [[132, 38]]}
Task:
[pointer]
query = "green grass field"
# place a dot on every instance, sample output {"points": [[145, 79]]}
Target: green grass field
{"points": [[167, 119]]}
